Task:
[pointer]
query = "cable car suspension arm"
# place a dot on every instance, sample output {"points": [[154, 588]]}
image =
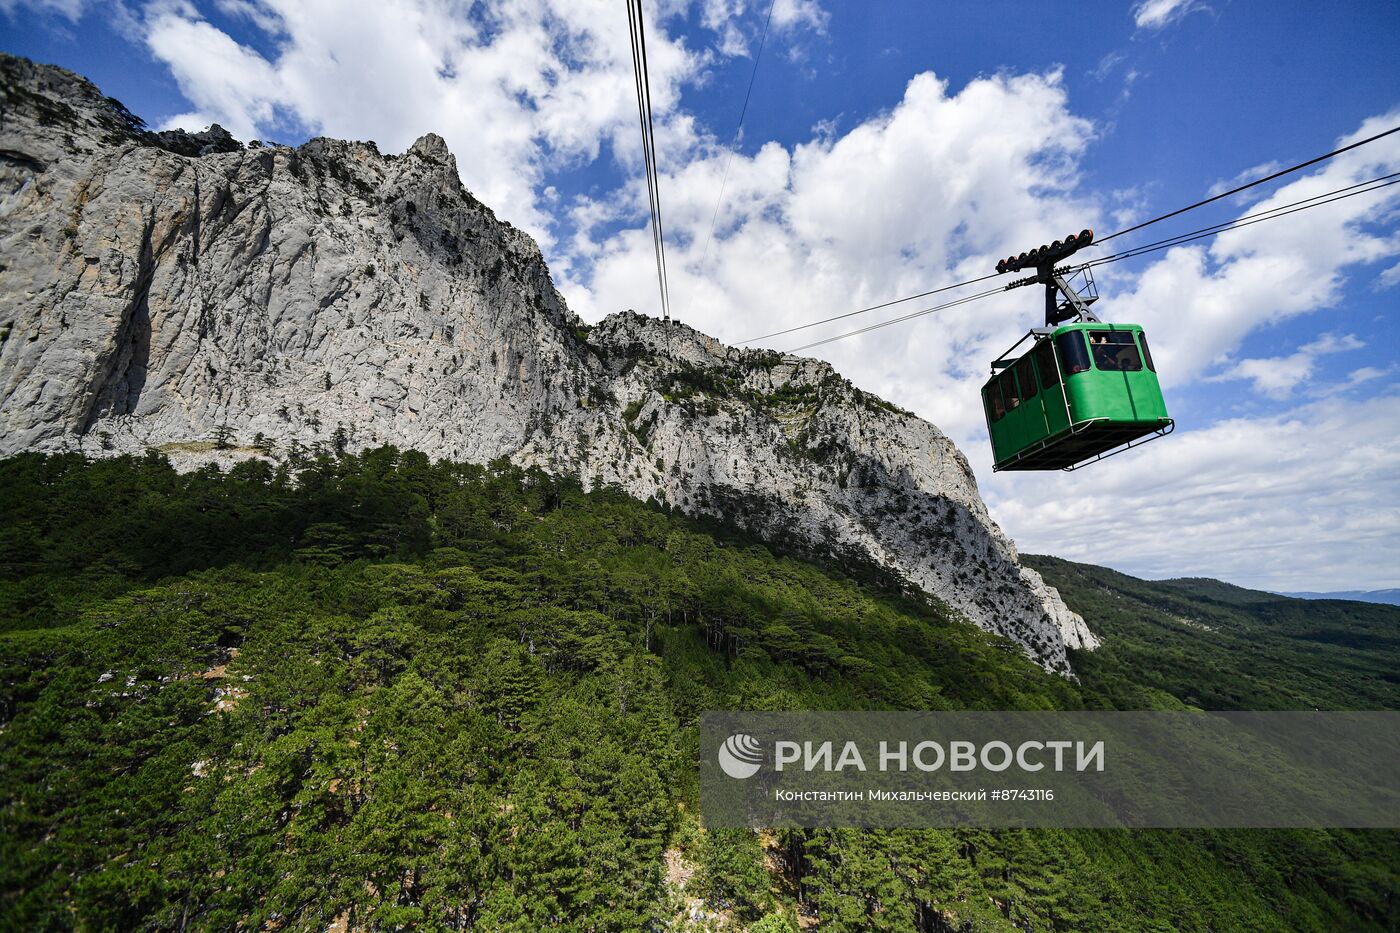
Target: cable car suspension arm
{"points": [[1075, 306]]}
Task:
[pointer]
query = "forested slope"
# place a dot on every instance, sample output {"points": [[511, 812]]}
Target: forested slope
{"points": [[381, 693], [1209, 644]]}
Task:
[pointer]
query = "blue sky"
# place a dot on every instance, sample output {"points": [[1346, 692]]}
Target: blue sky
{"points": [[889, 148]]}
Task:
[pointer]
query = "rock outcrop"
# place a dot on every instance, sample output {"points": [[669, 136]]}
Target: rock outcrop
{"points": [[167, 290]]}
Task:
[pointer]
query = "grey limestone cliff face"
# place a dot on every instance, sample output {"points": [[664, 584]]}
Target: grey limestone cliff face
{"points": [[159, 289]]}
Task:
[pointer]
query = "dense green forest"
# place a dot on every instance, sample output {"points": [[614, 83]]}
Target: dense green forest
{"points": [[1215, 646], [374, 692]]}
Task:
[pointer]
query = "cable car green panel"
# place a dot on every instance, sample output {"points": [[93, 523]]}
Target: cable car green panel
{"points": [[1015, 411], [1079, 392], [1052, 392], [1033, 422]]}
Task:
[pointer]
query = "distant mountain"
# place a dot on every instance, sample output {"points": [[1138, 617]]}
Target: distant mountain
{"points": [[1389, 597], [1209, 644]]}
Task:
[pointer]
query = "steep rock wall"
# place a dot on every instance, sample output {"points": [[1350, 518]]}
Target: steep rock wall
{"points": [[158, 290]]}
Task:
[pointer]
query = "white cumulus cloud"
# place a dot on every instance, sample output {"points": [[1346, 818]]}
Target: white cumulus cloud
{"points": [[518, 89], [1199, 301], [1308, 500], [1278, 376], [932, 191]]}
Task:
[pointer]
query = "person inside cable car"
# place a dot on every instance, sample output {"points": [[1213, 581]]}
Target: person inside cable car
{"points": [[1115, 351], [1106, 353]]}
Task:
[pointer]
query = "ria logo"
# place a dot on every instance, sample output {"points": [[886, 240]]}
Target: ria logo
{"points": [[740, 756]]}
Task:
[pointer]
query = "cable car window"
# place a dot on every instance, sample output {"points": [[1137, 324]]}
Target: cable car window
{"points": [[991, 397], [1044, 355], [1026, 377], [1009, 395], [1115, 351], [1146, 353], [1073, 357]]}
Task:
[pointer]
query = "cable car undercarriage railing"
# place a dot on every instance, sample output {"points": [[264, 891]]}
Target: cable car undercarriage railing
{"points": [[1077, 429], [1163, 431]]}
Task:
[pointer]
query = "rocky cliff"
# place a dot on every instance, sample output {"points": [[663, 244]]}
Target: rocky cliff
{"points": [[163, 290]]}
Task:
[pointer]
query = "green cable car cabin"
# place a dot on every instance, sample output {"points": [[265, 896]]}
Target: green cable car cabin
{"points": [[1085, 390], [1082, 390]]}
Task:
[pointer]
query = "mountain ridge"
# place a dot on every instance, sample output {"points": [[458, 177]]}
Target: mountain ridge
{"points": [[1213, 645], [1389, 597], [213, 301]]}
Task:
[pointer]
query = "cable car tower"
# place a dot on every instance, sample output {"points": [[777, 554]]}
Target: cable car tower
{"points": [[1084, 390]]}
